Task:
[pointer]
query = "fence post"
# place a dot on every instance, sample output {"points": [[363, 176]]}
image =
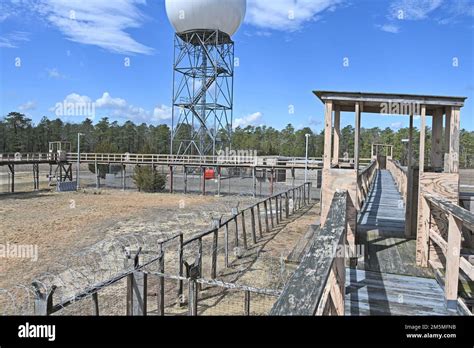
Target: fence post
{"points": [[235, 213], [281, 207], [453, 254], [214, 254], [160, 292], [247, 303], [95, 303], [180, 264], [287, 205], [193, 272], [226, 244], [259, 221], [137, 290], [277, 211], [43, 301], [254, 236], [271, 211], [244, 230], [267, 224]]}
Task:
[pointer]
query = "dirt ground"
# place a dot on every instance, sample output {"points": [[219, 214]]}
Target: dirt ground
{"points": [[62, 224]]}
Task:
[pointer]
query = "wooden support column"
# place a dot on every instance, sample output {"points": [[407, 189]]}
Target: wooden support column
{"points": [[43, 302], [337, 135], [293, 177], [453, 161], [409, 214], [358, 110], [327, 134], [447, 137], [436, 137], [171, 179], [452, 262], [422, 237]]}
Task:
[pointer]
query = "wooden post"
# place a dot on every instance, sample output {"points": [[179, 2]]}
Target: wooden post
{"points": [[267, 224], [271, 211], [95, 304], [252, 217], [280, 197], [43, 302], [171, 179], [193, 298], [436, 144], [97, 175], [453, 162], [259, 216], [226, 244], [138, 292], [160, 287], [328, 134], [12, 171], [409, 214], [337, 135], [358, 110], [287, 206], [453, 254], [244, 231], [447, 131], [180, 265], [236, 236], [214, 254], [247, 303], [423, 213], [124, 170]]}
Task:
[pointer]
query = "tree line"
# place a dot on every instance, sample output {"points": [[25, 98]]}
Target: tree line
{"points": [[19, 134]]}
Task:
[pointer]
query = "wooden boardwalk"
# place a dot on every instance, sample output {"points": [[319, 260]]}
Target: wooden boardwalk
{"points": [[387, 280]]}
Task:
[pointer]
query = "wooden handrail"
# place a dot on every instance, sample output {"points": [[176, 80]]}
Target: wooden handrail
{"points": [[451, 248], [317, 285]]}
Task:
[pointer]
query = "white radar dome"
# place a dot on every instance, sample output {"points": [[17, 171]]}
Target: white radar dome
{"points": [[223, 15]]}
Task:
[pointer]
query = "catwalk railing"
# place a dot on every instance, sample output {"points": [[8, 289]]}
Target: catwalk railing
{"points": [[443, 212], [317, 287], [365, 179], [211, 252], [400, 175]]}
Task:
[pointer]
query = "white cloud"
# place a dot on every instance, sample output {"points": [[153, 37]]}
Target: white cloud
{"points": [[117, 108], [286, 14], [106, 101], [390, 28], [30, 105], [162, 112], [102, 23], [12, 39], [54, 73], [413, 9], [247, 120]]}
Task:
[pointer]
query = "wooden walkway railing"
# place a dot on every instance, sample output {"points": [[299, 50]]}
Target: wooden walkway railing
{"points": [[364, 182], [454, 217], [317, 287], [400, 175]]}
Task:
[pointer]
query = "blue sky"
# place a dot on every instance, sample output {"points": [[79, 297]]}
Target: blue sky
{"points": [[402, 46]]}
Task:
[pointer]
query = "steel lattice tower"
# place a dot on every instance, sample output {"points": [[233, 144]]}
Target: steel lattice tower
{"points": [[202, 92]]}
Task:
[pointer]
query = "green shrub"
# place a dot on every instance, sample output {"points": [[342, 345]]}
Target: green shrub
{"points": [[148, 180]]}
